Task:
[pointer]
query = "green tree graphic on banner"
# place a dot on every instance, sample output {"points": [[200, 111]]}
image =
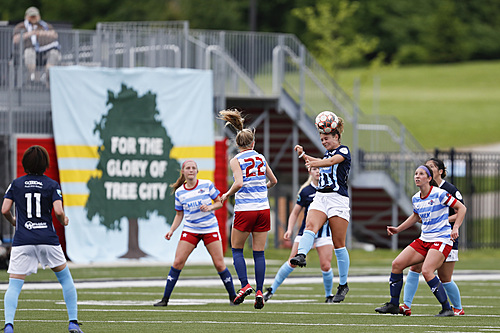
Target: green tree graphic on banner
{"points": [[136, 167]]}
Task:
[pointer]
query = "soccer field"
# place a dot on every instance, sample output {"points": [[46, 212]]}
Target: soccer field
{"points": [[199, 303]]}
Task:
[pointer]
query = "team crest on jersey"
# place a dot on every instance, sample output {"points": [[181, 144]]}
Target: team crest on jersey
{"points": [[458, 195], [344, 150], [59, 192], [201, 190], [431, 202]]}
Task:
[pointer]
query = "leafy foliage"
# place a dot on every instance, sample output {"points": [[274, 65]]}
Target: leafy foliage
{"points": [[337, 45]]}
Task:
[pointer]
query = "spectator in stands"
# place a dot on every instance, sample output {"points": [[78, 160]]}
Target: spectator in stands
{"points": [[39, 43]]}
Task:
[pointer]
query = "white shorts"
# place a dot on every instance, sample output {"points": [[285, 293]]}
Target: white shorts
{"points": [[24, 259], [453, 256], [332, 204], [318, 241]]}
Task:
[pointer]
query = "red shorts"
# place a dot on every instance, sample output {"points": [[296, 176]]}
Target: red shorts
{"points": [[424, 247], [253, 220], [195, 238]]}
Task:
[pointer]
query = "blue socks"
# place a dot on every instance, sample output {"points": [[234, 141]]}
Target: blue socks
{"points": [[342, 264], [69, 292], [306, 242], [395, 286], [227, 279], [260, 268], [282, 274], [411, 287], [10, 299], [328, 282], [453, 293], [172, 278], [438, 291], [240, 266]]}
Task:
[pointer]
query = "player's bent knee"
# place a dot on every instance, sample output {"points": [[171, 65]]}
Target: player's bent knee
{"points": [[398, 266]]}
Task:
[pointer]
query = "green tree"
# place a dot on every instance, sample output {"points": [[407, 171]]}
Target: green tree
{"points": [[337, 44], [135, 164], [444, 35]]}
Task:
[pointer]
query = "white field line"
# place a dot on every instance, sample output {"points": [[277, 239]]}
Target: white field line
{"points": [[232, 323], [216, 282]]}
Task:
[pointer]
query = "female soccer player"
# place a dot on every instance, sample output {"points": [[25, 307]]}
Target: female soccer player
{"points": [[323, 241], [251, 210], [445, 272], [331, 203], [193, 201], [430, 205], [35, 240]]}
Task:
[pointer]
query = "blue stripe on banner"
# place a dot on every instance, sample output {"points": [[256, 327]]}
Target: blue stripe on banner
{"points": [[75, 188], [77, 163]]}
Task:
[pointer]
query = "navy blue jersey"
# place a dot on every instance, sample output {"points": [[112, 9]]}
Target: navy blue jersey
{"points": [[452, 189], [33, 197], [304, 199], [334, 178]]}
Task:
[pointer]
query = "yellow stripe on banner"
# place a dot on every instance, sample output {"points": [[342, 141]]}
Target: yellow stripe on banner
{"points": [[75, 199], [81, 199], [67, 151], [83, 176], [79, 151], [193, 152], [78, 176]]}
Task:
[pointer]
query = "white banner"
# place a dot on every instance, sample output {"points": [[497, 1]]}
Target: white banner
{"points": [[121, 136]]}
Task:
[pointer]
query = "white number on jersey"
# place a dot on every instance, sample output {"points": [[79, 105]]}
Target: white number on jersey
{"points": [[29, 204]]}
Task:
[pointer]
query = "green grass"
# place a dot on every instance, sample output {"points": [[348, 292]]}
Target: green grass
{"points": [[443, 106], [294, 308]]}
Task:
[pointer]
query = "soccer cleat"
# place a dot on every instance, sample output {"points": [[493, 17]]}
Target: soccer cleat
{"points": [[299, 260], [242, 293], [388, 308], [329, 299], [163, 302], [404, 310], [445, 313], [458, 312], [268, 294], [74, 328], [8, 328], [259, 300], [341, 292], [231, 300]]}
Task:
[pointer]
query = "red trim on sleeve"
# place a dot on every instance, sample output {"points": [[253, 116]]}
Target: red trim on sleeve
{"points": [[453, 203]]}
